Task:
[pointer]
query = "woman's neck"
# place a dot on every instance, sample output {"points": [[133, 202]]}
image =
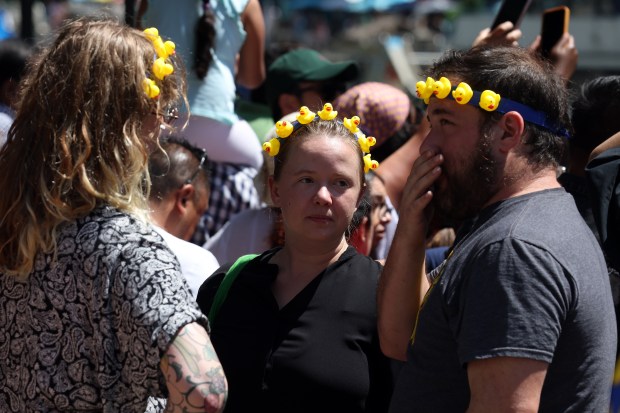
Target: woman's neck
{"points": [[298, 265], [300, 258]]}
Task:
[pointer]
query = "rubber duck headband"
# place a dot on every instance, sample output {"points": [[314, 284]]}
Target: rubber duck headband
{"points": [[161, 66], [284, 129], [487, 100]]}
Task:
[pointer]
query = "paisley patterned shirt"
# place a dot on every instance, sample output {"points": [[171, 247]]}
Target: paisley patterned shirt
{"points": [[86, 331]]}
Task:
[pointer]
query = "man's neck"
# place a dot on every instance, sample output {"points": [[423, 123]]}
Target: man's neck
{"points": [[521, 183]]}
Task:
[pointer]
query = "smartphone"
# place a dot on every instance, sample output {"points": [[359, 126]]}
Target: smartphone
{"points": [[511, 10], [554, 25]]}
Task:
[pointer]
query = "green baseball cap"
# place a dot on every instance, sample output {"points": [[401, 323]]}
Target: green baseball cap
{"points": [[304, 65]]}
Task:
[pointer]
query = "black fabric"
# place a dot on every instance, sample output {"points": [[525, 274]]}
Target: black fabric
{"points": [[586, 195], [603, 173], [320, 352]]}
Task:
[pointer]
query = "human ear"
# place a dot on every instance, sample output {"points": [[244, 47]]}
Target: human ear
{"points": [[274, 191], [183, 196], [512, 126]]}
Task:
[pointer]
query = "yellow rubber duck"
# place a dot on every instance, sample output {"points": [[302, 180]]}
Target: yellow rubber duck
{"points": [[463, 93], [352, 124], [272, 147], [424, 90], [305, 115], [284, 128], [163, 49], [369, 163], [489, 100], [442, 88], [366, 142], [150, 88], [328, 112], [161, 69]]}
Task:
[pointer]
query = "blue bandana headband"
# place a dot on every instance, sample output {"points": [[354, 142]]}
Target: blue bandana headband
{"points": [[486, 100]]}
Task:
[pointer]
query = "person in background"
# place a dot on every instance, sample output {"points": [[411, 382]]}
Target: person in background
{"points": [[526, 287], [594, 117], [375, 216], [98, 315], [602, 173], [222, 44], [303, 77], [564, 55], [179, 197], [308, 307], [385, 113], [14, 55]]}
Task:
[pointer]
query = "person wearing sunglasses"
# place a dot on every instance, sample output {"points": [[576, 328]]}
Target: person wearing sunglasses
{"points": [[179, 197]]}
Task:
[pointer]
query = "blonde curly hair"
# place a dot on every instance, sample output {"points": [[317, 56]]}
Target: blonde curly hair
{"points": [[78, 139]]}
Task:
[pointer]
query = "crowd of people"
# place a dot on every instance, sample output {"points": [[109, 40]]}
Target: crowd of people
{"points": [[373, 251]]}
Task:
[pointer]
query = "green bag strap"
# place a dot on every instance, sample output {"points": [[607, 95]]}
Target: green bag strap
{"points": [[227, 282]]}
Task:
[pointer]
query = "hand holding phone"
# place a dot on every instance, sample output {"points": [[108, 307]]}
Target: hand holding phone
{"points": [[512, 11], [554, 25]]}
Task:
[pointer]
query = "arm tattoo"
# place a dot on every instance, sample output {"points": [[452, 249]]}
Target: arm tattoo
{"points": [[193, 373]]}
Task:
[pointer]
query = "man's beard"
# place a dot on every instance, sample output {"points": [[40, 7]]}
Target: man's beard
{"points": [[470, 188]]}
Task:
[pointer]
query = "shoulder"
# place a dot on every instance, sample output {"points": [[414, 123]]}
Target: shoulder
{"points": [[358, 265], [123, 240], [232, 8]]}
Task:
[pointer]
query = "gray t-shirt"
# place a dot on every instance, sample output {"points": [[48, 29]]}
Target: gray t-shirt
{"points": [[529, 280]]}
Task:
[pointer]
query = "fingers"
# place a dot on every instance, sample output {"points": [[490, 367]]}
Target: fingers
{"points": [[480, 39], [425, 171], [514, 36], [564, 56], [504, 34], [535, 46], [504, 28]]}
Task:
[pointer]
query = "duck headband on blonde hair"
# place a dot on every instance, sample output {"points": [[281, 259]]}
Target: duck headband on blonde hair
{"points": [[284, 129], [161, 66], [486, 100]]}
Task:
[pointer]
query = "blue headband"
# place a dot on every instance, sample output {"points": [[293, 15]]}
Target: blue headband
{"points": [[486, 100]]}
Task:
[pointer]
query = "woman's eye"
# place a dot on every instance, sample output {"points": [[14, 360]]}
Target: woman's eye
{"points": [[305, 180], [343, 183], [444, 122]]}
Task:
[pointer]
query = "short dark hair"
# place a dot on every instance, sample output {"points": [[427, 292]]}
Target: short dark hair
{"points": [[519, 75], [595, 112], [178, 163]]}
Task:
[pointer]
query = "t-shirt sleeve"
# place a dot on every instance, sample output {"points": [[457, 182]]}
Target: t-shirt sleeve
{"points": [[155, 299], [513, 303]]}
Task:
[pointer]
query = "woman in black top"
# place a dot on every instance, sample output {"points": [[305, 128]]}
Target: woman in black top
{"points": [[297, 331]]}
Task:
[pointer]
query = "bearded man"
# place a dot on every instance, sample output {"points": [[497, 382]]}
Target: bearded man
{"points": [[519, 317]]}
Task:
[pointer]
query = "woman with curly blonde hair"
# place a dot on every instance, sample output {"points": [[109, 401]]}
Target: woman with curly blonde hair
{"points": [[95, 313]]}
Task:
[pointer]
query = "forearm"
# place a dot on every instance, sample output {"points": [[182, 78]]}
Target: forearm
{"points": [[193, 373], [401, 289], [403, 282], [251, 69], [612, 142]]}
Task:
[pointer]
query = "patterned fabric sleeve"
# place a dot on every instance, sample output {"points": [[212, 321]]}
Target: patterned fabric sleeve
{"points": [[151, 300]]}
